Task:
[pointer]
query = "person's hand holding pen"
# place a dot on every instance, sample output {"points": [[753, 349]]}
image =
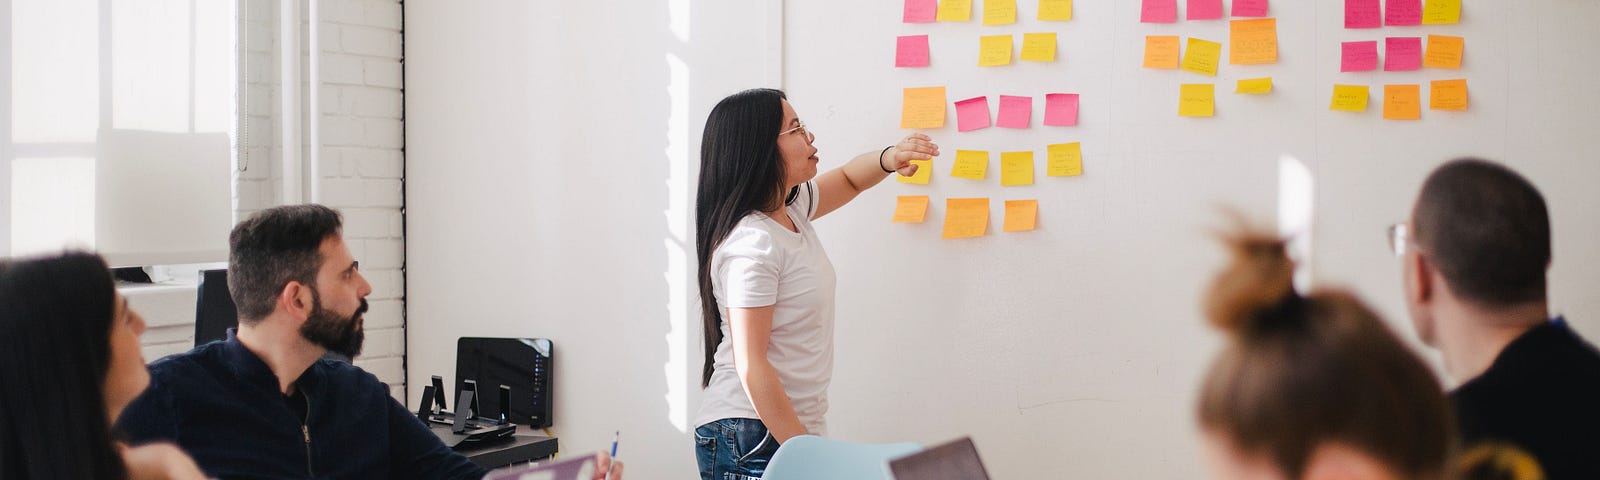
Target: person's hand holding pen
{"points": [[604, 463]]}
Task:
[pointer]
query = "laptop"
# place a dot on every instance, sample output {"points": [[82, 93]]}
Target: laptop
{"points": [[957, 460]]}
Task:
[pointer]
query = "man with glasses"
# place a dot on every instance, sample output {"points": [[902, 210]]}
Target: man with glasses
{"points": [[1474, 258]]}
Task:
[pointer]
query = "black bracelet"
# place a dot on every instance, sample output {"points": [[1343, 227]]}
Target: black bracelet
{"points": [[880, 159]]}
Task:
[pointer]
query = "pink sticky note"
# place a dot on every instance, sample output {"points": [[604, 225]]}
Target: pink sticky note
{"points": [[1402, 53], [911, 51], [1403, 13], [1249, 8], [1359, 56], [1015, 112], [1204, 10], [972, 114], [1159, 11], [1061, 109], [921, 11], [1363, 13]]}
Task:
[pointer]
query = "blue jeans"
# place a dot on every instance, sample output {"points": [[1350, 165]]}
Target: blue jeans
{"points": [[733, 449]]}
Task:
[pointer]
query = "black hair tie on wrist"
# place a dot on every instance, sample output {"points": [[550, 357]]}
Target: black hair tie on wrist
{"points": [[880, 159]]}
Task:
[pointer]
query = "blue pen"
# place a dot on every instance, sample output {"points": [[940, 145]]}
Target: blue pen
{"points": [[613, 464]]}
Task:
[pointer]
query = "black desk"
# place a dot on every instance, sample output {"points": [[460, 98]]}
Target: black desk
{"points": [[525, 447]]}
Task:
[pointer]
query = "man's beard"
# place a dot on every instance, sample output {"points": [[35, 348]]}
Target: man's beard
{"points": [[325, 328]]}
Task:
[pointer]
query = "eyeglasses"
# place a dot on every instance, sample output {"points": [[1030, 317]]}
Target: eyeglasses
{"points": [[1399, 241], [801, 129]]}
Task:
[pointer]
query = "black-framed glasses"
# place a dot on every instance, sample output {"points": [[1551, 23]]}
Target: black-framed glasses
{"points": [[801, 128]]}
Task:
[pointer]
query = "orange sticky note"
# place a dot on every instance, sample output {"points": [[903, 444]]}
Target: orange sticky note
{"points": [[1448, 95], [954, 10], [1444, 51], [1039, 47], [1202, 56], [1021, 215], [1253, 42], [966, 217], [973, 164], [1402, 102], [999, 12], [1065, 160], [922, 107], [1197, 100], [994, 50], [1160, 51], [910, 208], [1055, 10], [924, 173], [1016, 168], [1349, 98]]}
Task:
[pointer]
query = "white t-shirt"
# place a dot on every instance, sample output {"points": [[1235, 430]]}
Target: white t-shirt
{"points": [[761, 263]]}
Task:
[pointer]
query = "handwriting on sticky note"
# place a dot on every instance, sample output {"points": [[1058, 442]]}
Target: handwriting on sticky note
{"points": [[1016, 168], [1197, 100], [999, 12], [966, 217], [972, 114], [910, 208], [1039, 47], [973, 164], [1161, 51], [1444, 51], [1363, 13], [1249, 8], [1402, 53], [1203, 10], [1254, 86], [1159, 11], [1061, 109], [911, 51], [1402, 102], [1021, 215], [1015, 111], [1402, 13], [921, 11], [1358, 56], [1055, 10], [994, 50], [922, 107], [955, 10], [1201, 57], [1065, 160], [1441, 12], [1253, 42], [1349, 98], [1448, 94], [923, 174]]}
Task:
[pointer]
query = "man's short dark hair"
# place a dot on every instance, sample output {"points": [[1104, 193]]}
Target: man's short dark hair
{"points": [[272, 248], [1486, 229]]}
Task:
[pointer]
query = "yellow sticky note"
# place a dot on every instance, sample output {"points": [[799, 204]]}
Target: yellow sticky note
{"points": [[966, 217], [1441, 12], [954, 11], [1254, 86], [1021, 215], [922, 107], [1197, 100], [1402, 102], [973, 164], [1016, 168], [994, 50], [999, 12], [1202, 56], [1444, 51], [1039, 47], [910, 208], [1448, 95], [1161, 51], [1253, 42], [924, 173], [1055, 10], [1349, 98], [1065, 160]]}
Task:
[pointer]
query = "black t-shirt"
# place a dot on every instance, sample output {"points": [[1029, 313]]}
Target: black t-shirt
{"points": [[1541, 394]]}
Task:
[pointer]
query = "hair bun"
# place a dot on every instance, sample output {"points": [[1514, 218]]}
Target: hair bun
{"points": [[1258, 281]]}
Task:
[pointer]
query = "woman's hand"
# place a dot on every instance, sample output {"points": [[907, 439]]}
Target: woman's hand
{"points": [[159, 461], [604, 464], [915, 146]]}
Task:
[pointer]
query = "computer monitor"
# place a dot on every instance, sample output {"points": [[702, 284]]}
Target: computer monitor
{"points": [[956, 460], [524, 364], [214, 312]]}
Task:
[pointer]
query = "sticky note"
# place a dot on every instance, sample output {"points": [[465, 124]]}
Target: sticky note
{"points": [[1363, 13], [1448, 95], [972, 114], [1253, 42], [955, 10], [1402, 53], [966, 217], [994, 50], [1402, 13], [1061, 109], [924, 173], [1201, 57], [999, 12], [1249, 8], [1021, 215], [1016, 168], [1197, 100], [973, 164], [1358, 56], [911, 51], [1160, 51], [1444, 51], [1064, 160], [1441, 12], [1159, 11], [1039, 47], [1254, 86], [1203, 10], [1015, 112], [1055, 10], [922, 107], [1402, 102], [910, 208], [1349, 98], [921, 11]]}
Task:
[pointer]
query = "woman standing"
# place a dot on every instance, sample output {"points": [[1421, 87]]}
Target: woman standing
{"points": [[766, 285]]}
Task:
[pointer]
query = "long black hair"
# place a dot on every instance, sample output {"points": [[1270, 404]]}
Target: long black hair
{"points": [[741, 171], [55, 352]]}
